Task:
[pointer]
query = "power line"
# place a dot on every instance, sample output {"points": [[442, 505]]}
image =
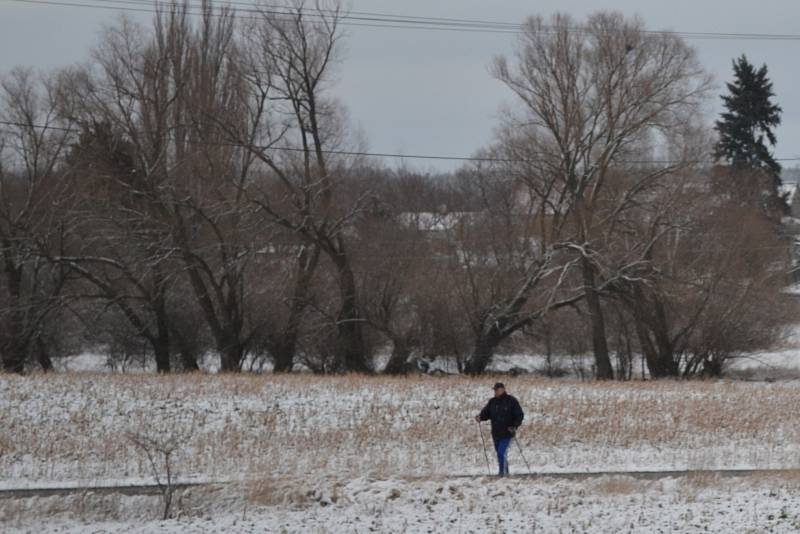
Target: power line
{"points": [[355, 153], [510, 25], [391, 23], [298, 149], [386, 20], [357, 16]]}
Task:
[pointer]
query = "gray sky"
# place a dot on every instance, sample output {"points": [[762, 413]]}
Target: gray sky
{"points": [[429, 92]]}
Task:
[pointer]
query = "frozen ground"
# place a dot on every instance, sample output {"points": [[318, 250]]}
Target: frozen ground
{"points": [[350, 454]]}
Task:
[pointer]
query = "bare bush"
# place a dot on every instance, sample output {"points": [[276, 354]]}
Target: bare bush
{"points": [[160, 449]]}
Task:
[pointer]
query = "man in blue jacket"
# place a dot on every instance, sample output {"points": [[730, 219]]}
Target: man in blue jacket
{"points": [[506, 415]]}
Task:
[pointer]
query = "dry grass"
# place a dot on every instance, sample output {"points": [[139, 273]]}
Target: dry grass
{"points": [[74, 425], [293, 493], [618, 485]]}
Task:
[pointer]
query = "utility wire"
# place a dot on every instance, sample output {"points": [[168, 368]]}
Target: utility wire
{"points": [[382, 20], [357, 16], [383, 154], [390, 24], [390, 154]]}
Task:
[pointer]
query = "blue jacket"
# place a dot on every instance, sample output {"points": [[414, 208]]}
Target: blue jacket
{"points": [[504, 411]]}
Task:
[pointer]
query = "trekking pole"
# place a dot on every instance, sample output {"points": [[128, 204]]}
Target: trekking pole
{"points": [[523, 456], [485, 454]]}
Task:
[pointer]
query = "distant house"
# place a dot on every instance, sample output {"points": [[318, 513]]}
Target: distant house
{"points": [[431, 221], [793, 199], [791, 190]]}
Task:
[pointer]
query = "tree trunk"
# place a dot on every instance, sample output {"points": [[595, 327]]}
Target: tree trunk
{"points": [[712, 367], [624, 353], [667, 366], [15, 351], [42, 355], [225, 323], [651, 318], [14, 357], [397, 364], [482, 353], [162, 354], [231, 357], [658, 353], [286, 346], [283, 351], [187, 351], [189, 361], [648, 349], [161, 345], [666, 350], [599, 343], [351, 352]]}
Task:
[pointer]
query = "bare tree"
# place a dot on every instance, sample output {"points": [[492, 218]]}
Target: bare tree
{"points": [[716, 292], [591, 93], [162, 92], [510, 272], [396, 268], [284, 295], [123, 255], [289, 61], [33, 143]]}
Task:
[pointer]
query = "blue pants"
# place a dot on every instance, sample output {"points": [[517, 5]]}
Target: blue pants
{"points": [[501, 446]]}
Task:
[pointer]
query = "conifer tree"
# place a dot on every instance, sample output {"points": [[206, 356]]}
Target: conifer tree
{"points": [[746, 128]]}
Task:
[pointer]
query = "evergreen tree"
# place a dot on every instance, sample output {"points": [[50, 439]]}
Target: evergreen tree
{"points": [[746, 129]]}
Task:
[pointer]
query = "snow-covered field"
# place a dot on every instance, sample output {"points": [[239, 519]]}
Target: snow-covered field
{"points": [[606, 505], [356, 454]]}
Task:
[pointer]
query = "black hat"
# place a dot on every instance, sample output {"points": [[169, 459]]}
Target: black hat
{"points": [[499, 385]]}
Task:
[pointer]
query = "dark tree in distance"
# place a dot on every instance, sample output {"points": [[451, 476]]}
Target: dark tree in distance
{"points": [[746, 128]]}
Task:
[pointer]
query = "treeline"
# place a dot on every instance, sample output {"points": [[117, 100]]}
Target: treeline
{"points": [[194, 188]]}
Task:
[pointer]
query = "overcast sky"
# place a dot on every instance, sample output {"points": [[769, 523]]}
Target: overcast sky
{"points": [[429, 92]]}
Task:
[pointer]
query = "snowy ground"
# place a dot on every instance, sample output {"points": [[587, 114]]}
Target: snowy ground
{"points": [[779, 363], [354, 454], [608, 504]]}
